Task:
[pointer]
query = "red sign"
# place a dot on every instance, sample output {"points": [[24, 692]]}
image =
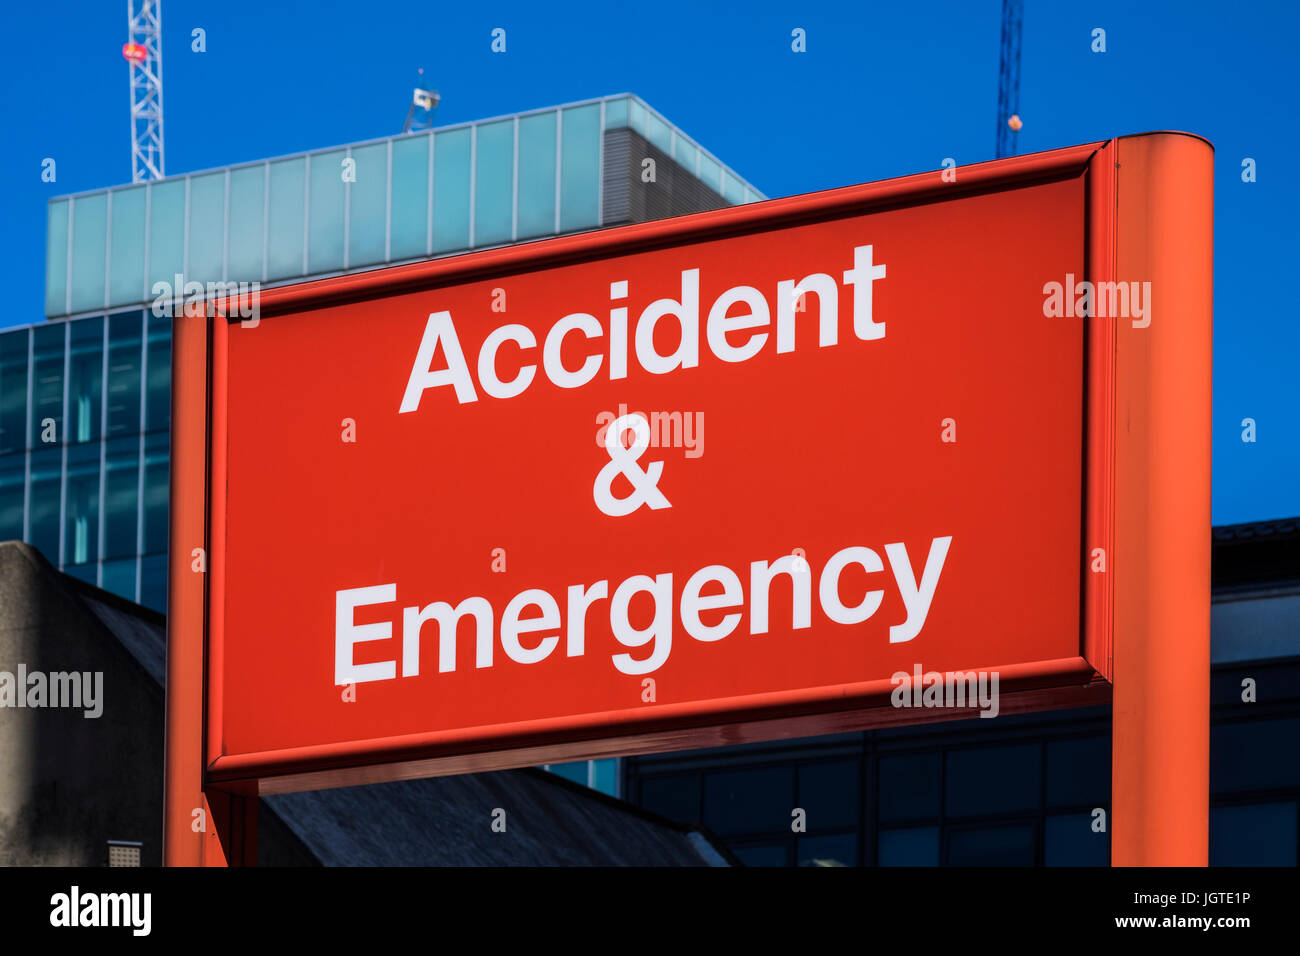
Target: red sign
{"points": [[134, 52], [547, 498], [905, 451]]}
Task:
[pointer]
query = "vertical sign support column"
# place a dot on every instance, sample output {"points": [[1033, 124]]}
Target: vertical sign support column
{"points": [[1161, 565], [201, 826]]}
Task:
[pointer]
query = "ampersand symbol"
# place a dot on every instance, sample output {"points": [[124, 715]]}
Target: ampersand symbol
{"points": [[645, 483]]}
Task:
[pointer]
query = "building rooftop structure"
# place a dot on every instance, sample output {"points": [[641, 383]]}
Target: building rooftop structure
{"points": [[85, 403], [492, 182]]}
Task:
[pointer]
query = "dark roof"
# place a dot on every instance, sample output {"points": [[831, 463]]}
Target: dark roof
{"points": [[448, 821], [429, 822], [1256, 554]]}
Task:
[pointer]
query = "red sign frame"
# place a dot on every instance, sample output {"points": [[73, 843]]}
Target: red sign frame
{"points": [[201, 385]]}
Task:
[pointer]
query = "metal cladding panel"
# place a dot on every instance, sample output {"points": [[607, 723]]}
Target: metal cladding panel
{"points": [[675, 190]]}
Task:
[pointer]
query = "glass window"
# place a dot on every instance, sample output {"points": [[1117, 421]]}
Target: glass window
{"points": [[710, 172], [84, 572], [686, 155], [158, 410], [85, 379], [916, 846], [410, 201], [247, 207], [155, 494], [616, 113], [762, 854], [1006, 845], [675, 796], [985, 780], [536, 215], [733, 191], [125, 355], [119, 578], [207, 227], [1244, 755], [46, 488], [909, 787], [13, 469], [1261, 834], [153, 583], [580, 168], [126, 247], [366, 210], [285, 229], [1069, 840], [494, 163], [637, 116], [166, 233], [121, 495], [328, 199], [89, 241], [451, 190], [749, 801], [56, 258], [13, 391], [604, 776], [659, 133], [829, 793], [81, 519], [47, 387], [576, 771], [1078, 772], [838, 850]]}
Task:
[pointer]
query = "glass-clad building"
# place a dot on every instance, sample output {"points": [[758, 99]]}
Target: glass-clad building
{"points": [[85, 408], [85, 397], [349, 208]]}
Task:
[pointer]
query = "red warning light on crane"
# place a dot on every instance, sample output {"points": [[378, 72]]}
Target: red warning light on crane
{"points": [[134, 52]]}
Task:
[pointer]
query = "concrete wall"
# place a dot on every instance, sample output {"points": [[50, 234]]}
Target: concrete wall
{"points": [[69, 783]]}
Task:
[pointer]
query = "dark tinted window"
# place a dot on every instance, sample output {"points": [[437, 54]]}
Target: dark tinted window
{"points": [[749, 801], [675, 796], [1005, 845], [988, 780], [1069, 840], [1262, 834], [909, 787], [840, 850], [1245, 755], [915, 846], [1078, 772], [829, 794]]}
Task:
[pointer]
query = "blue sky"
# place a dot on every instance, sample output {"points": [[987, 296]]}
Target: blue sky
{"points": [[884, 89]]}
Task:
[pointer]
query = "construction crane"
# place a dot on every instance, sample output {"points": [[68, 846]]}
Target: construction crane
{"points": [[143, 51], [424, 102], [1009, 122]]}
